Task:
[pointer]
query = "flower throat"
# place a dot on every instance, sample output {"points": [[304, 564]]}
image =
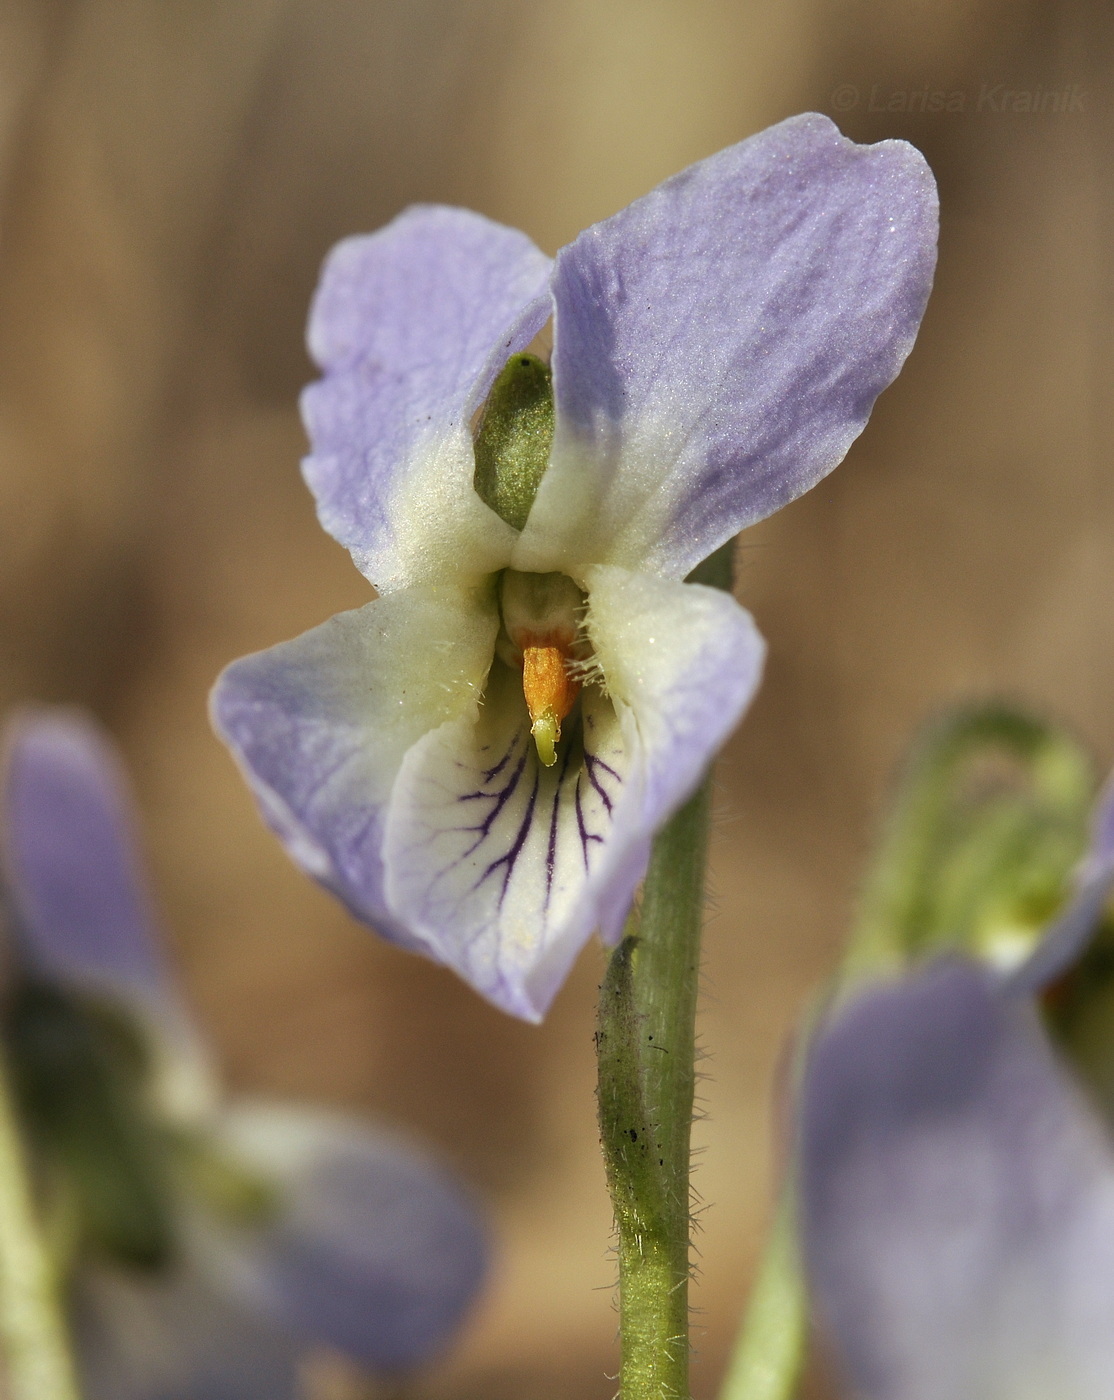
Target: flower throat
{"points": [[542, 637], [541, 613]]}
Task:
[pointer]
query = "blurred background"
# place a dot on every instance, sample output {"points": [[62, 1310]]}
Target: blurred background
{"points": [[172, 173]]}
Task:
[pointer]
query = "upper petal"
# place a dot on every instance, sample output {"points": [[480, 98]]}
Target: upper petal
{"points": [[958, 1200], [373, 1248], [320, 725], [410, 326], [505, 867], [719, 344]]}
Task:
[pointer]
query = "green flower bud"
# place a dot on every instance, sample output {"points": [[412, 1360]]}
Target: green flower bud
{"points": [[989, 821], [514, 437]]}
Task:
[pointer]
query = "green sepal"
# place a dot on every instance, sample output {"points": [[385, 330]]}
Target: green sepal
{"points": [[990, 818], [80, 1073], [514, 437]]}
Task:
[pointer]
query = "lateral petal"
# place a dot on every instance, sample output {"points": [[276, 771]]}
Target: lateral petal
{"points": [[320, 725], [683, 663], [410, 326], [719, 344]]}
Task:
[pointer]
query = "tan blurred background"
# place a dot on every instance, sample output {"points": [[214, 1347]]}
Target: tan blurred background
{"points": [[173, 172]]}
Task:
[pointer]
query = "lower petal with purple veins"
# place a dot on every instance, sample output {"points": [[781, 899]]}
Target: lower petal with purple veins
{"points": [[505, 867], [490, 855], [429, 812]]}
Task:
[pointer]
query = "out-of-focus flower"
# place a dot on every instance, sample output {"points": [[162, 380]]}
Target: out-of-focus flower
{"points": [[210, 1246], [957, 1188], [476, 763]]}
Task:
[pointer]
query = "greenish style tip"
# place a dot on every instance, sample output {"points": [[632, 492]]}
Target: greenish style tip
{"points": [[514, 437], [546, 730]]}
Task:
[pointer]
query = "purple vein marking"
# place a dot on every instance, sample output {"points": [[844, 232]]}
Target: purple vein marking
{"points": [[577, 765], [586, 836], [590, 764], [511, 857], [490, 773], [498, 800], [607, 768], [551, 852]]}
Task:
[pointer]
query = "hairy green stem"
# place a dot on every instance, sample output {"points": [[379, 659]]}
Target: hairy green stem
{"points": [[646, 1041], [33, 1335]]}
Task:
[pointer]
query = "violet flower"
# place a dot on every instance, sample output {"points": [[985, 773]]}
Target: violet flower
{"points": [[718, 345], [213, 1245], [957, 1189]]}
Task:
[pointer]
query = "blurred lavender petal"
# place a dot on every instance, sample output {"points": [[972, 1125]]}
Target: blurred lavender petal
{"points": [[1102, 827], [83, 911], [374, 1249], [176, 1337], [958, 1199]]}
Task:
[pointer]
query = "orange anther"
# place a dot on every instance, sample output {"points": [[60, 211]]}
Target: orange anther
{"points": [[546, 683], [550, 692]]}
